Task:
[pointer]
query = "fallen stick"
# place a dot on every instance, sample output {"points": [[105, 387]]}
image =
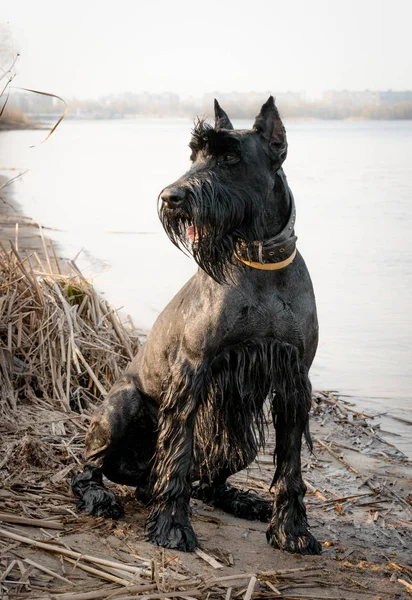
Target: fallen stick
{"points": [[11, 546], [9, 518], [404, 503], [209, 559], [345, 498], [341, 460], [406, 584], [239, 576], [163, 595], [46, 570], [250, 588], [276, 573], [102, 593], [315, 491], [98, 572], [336, 402], [11, 566], [72, 553], [259, 575], [400, 567], [273, 588]]}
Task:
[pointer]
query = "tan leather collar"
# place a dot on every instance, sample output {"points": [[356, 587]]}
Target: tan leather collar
{"points": [[269, 266]]}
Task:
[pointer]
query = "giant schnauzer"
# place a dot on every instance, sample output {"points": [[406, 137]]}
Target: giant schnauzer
{"points": [[242, 331]]}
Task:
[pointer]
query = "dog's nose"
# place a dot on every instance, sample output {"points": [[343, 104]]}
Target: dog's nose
{"points": [[172, 196]]}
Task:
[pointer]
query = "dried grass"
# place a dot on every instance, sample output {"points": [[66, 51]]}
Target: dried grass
{"points": [[60, 342], [30, 451]]}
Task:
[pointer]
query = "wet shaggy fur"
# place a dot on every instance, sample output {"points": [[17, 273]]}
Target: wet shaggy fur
{"points": [[189, 411]]}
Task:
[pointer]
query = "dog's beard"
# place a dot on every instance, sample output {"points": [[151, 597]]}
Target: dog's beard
{"points": [[211, 222]]}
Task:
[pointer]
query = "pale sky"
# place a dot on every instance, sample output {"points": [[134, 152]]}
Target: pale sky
{"points": [[89, 48]]}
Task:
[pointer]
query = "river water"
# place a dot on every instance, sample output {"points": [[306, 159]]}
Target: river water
{"points": [[98, 181]]}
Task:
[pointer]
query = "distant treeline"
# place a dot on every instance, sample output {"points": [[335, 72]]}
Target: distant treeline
{"points": [[334, 105], [13, 118]]}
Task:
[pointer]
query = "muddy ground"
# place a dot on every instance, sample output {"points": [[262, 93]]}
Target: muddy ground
{"points": [[359, 503]]}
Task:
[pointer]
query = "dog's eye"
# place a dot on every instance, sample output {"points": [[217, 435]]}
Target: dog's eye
{"points": [[229, 159]]}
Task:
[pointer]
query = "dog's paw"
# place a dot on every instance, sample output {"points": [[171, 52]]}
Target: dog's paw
{"points": [[295, 539], [164, 530], [244, 504], [100, 502], [93, 498], [249, 505]]}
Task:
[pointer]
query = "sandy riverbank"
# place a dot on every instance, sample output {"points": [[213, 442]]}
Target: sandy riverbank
{"points": [[19, 228], [13, 223], [359, 507]]}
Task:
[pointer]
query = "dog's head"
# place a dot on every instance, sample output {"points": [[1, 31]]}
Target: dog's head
{"points": [[223, 198]]}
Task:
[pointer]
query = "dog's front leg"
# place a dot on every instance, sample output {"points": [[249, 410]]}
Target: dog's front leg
{"points": [[288, 529], [168, 524]]}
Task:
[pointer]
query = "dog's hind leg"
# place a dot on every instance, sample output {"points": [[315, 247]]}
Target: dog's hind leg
{"points": [[244, 504], [288, 529], [120, 444]]}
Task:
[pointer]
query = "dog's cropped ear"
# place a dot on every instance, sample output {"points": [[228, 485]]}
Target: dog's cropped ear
{"points": [[270, 127], [222, 121]]}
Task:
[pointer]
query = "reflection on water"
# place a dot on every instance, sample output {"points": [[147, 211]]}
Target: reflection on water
{"points": [[353, 188]]}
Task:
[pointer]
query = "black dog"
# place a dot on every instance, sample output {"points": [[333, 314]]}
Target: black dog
{"points": [[242, 330]]}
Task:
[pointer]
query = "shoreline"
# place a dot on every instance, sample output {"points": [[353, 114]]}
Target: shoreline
{"points": [[47, 122], [17, 125], [11, 214], [21, 229]]}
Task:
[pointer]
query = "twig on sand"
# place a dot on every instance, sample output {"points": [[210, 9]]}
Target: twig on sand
{"points": [[105, 593], [108, 576], [10, 518], [337, 457], [71, 553], [46, 570], [209, 559], [406, 584], [273, 588], [250, 588]]}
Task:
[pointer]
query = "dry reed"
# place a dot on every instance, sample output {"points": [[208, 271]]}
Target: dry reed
{"points": [[60, 342]]}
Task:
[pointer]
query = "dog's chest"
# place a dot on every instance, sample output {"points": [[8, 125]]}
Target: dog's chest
{"points": [[230, 424]]}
